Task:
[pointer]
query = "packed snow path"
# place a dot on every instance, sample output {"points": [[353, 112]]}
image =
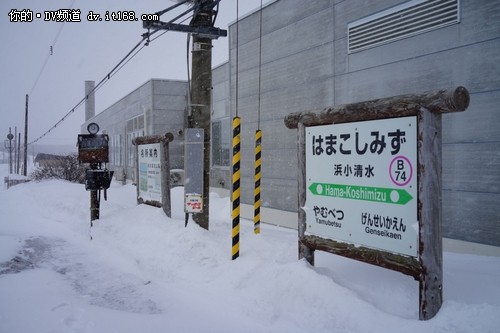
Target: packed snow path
{"points": [[96, 280], [144, 272]]}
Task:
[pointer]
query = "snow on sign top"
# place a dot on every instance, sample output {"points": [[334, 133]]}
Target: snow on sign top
{"points": [[362, 183]]}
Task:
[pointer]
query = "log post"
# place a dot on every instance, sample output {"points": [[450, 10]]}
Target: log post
{"points": [[304, 250], [441, 101], [163, 141], [426, 267], [429, 213]]}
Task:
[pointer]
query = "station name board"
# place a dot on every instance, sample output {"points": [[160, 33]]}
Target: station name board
{"points": [[362, 183]]}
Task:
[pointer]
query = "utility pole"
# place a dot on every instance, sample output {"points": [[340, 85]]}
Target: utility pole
{"points": [[10, 136], [16, 143], [201, 97], [203, 31], [18, 152], [25, 139]]}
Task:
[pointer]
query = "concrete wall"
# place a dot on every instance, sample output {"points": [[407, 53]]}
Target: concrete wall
{"points": [[170, 115], [220, 176], [305, 66], [297, 74], [163, 105]]}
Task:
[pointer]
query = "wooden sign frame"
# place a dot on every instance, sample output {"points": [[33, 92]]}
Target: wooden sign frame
{"points": [[427, 268], [163, 140]]}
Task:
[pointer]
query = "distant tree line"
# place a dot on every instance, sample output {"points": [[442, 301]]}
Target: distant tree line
{"points": [[59, 167]]}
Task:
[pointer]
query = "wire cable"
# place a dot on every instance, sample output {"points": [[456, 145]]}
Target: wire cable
{"points": [[237, 50], [260, 66], [105, 79], [189, 110], [180, 3], [50, 53], [129, 56]]}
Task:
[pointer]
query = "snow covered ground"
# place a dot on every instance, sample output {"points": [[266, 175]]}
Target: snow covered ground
{"points": [[144, 272]]}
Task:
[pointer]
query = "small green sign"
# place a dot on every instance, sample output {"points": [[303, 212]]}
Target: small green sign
{"points": [[366, 193]]}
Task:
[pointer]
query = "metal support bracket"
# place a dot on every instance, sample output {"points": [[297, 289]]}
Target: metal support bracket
{"points": [[207, 32]]}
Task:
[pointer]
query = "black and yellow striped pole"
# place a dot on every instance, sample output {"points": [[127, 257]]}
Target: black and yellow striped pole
{"points": [[235, 196], [256, 192]]}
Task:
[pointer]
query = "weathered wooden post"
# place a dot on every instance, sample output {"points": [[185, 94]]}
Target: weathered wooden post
{"points": [[10, 136], [401, 228]]}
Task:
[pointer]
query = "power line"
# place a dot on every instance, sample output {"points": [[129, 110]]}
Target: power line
{"points": [[129, 56], [115, 69], [260, 66], [50, 53]]}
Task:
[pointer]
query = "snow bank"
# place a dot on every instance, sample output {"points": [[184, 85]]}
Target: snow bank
{"points": [[143, 271]]}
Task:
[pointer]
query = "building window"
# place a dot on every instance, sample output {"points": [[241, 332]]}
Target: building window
{"points": [[131, 147], [136, 123], [135, 128], [408, 19], [221, 142], [116, 150]]}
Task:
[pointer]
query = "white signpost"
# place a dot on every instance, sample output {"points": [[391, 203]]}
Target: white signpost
{"points": [[153, 171], [362, 184], [150, 172]]}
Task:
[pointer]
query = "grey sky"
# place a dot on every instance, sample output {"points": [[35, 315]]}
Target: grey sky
{"points": [[85, 51]]}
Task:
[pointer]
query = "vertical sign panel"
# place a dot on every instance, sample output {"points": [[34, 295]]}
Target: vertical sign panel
{"points": [[362, 183], [149, 156], [193, 170]]}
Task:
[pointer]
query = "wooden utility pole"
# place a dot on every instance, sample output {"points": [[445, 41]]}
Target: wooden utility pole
{"points": [[16, 144], [203, 31], [10, 136], [25, 164], [18, 152], [201, 91]]}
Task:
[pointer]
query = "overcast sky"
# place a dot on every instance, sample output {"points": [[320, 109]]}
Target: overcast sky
{"points": [[82, 51]]}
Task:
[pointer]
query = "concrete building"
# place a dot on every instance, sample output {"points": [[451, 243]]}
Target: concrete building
{"points": [[156, 107], [321, 53]]}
